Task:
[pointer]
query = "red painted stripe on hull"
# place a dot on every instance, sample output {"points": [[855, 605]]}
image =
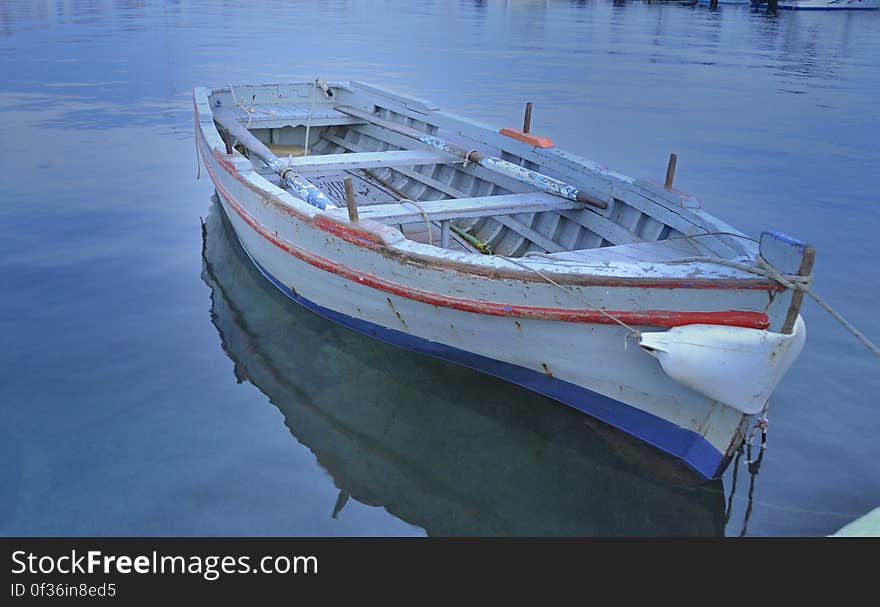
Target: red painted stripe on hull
{"points": [[347, 233]]}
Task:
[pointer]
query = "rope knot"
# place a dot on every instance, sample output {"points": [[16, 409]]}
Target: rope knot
{"points": [[790, 281]]}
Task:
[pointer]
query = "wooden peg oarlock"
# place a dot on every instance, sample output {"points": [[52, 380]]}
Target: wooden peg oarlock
{"points": [[350, 202]]}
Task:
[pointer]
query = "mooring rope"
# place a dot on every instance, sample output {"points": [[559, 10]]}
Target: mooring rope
{"points": [[734, 234], [634, 333], [790, 281], [250, 110], [754, 465], [761, 424], [424, 216], [467, 158]]}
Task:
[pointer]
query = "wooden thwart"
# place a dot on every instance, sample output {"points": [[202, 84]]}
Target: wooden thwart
{"points": [[459, 208], [293, 116], [368, 160]]}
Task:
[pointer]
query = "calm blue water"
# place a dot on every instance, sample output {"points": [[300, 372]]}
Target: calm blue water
{"points": [[148, 386]]}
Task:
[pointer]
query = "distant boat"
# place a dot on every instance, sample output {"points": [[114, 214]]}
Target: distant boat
{"points": [[438, 446], [812, 5], [497, 251], [828, 5]]}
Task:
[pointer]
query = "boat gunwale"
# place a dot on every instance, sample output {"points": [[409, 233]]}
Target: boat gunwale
{"points": [[386, 240]]}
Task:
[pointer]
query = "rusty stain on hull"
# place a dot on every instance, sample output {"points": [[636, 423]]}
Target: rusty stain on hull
{"points": [[396, 313]]}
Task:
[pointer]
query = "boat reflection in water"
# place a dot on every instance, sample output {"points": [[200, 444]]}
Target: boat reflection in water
{"points": [[451, 450]]}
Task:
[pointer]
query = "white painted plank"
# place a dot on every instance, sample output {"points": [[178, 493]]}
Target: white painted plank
{"points": [[664, 250], [368, 160], [275, 116], [452, 208]]}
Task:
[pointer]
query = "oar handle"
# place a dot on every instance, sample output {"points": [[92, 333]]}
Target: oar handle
{"points": [[591, 200], [228, 121]]}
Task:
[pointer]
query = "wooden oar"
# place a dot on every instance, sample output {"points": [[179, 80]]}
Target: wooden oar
{"points": [[299, 186], [540, 181]]}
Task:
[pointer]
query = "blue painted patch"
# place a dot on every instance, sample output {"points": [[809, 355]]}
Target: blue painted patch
{"points": [[679, 442], [790, 240], [784, 252]]}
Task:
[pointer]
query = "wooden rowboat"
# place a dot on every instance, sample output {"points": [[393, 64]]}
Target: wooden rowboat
{"points": [[414, 454], [496, 250]]}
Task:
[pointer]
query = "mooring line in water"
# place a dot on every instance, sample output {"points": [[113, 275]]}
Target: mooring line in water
{"points": [[754, 465], [772, 506], [739, 452], [790, 281], [748, 513]]}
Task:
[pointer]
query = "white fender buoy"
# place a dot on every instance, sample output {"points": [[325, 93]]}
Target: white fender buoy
{"points": [[737, 366]]}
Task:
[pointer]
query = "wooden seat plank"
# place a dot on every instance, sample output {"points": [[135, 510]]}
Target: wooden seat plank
{"points": [[458, 208], [368, 160]]}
